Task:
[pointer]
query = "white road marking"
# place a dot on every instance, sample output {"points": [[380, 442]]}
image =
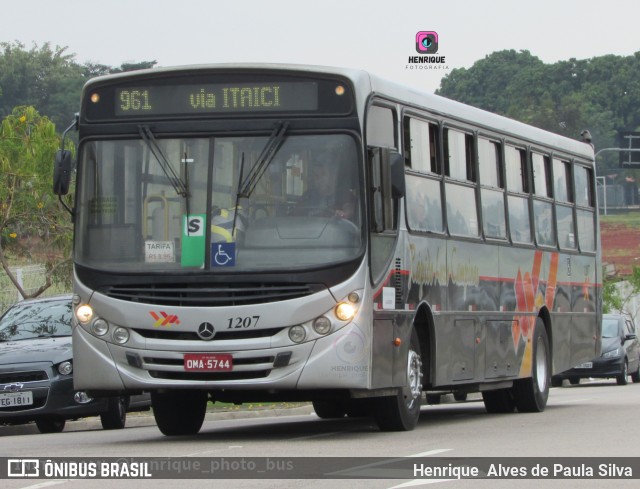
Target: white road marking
{"points": [[422, 482], [47, 484]]}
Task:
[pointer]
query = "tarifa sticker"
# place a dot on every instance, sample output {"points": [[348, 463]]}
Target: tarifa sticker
{"points": [[159, 252]]}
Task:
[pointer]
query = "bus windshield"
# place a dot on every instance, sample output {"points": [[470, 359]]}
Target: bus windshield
{"points": [[157, 204]]}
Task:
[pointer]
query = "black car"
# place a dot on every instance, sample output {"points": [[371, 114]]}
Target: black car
{"points": [[619, 354], [36, 370]]}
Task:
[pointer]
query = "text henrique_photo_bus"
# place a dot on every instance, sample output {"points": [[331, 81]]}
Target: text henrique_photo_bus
{"points": [[257, 233]]}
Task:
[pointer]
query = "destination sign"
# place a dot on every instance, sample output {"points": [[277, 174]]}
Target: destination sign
{"points": [[211, 98]]}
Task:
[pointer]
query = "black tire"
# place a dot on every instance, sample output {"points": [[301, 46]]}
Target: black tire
{"points": [[460, 396], [50, 424], [499, 401], [622, 379], [434, 399], [115, 418], [635, 376], [179, 412], [556, 382], [358, 408], [402, 411], [530, 395], [327, 409], [574, 380]]}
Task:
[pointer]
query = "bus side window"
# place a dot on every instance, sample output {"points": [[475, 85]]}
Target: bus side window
{"points": [[491, 188], [541, 175], [517, 198], [381, 127], [460, 191], [585, 203], [564, 207], [421, 145], [543, 215], [381, 138], [458, 155]]}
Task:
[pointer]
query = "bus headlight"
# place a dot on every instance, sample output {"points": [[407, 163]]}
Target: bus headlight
{"points": [[84, 313], [322, 325], [121, 335], [100, 327], [345, 311], [297, 334]]}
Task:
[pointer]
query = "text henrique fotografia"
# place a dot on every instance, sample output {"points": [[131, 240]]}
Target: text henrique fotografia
{"points": [[427, 46]]}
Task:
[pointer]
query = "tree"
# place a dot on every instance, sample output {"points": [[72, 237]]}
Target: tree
{"points": [[32, 224], [49, 79], [46, 78], [618, 295]]}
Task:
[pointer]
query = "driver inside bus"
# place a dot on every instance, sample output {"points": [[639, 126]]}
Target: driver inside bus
{"points": [[327, 195]]}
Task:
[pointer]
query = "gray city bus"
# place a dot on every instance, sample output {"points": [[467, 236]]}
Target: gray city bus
{"points": [[255, 233]]}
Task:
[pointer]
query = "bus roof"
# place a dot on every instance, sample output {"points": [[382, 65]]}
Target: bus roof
{"points": [[368, 84]]}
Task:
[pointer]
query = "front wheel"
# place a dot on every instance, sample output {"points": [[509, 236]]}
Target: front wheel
{"points": [[622, 378], [179, 412], [50, 424], [402, 411], [635, 377], [116, 416], [530, 395], [327, 409]]}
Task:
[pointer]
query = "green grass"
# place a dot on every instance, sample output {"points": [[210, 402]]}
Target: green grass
{"points": [[225, 406], [630, 219]]}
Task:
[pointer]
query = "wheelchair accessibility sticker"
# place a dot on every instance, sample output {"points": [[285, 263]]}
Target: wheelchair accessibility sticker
{"points": [[223, 254]]}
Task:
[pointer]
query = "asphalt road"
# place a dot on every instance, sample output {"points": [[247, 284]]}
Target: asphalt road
{"points": [[597, 419]]}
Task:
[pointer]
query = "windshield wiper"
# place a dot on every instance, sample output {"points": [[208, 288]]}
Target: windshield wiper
{"points": [[176, 182], [247, 185], [262, 163]]}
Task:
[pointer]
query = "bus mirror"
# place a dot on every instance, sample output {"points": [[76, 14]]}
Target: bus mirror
{"points": [[397, 176], [62, 172]]}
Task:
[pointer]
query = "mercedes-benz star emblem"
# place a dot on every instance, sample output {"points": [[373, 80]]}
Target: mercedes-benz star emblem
{"points": [[206, 331]]}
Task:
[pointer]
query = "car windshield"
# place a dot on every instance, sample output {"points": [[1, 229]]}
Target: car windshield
{"points": [[610, 328], [36, 319], [226, 204]]}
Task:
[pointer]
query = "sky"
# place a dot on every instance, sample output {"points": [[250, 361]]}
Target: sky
{"points": [[375, 35]]}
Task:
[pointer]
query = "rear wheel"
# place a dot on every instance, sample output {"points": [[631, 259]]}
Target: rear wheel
{"points": [[116, 416], [402, 411], [574, 380], [530, 395], [50, 424], [179, 412]]}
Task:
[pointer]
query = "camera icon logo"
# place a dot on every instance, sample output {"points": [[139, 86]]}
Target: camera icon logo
{"points": [[427, 42]]}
